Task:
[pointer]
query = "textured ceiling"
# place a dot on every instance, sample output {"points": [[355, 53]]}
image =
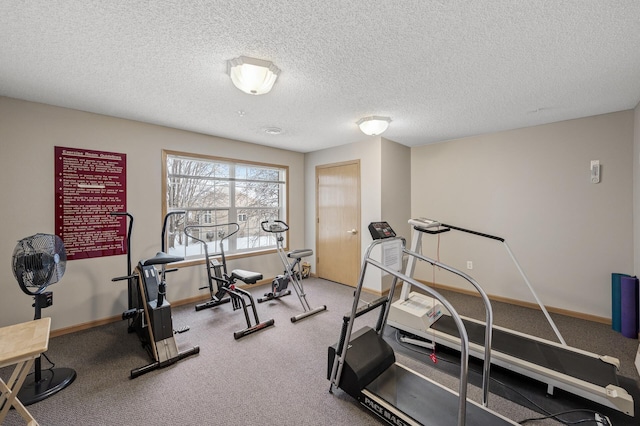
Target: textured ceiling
{"points": [[440, 69]]}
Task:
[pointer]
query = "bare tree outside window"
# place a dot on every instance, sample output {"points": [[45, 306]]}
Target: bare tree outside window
{"points": [[215, 191]]}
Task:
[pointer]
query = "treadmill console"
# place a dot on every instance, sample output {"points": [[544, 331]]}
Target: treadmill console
{"points": [[381, 230]]}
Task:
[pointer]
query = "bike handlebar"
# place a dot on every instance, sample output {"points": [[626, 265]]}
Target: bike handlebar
{"points": [[164, 225], [231, 225], [275, 226]]}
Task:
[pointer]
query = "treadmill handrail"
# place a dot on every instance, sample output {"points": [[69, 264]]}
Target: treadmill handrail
{"points": [[421, 225], [464, 338], [488, 334]]}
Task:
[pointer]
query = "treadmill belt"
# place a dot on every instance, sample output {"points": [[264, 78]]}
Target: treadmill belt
{"points": [[567, 362], [426, 402]]}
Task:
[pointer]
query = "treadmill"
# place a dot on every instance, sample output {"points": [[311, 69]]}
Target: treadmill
{"points": [[364, 366], [558, 365]]}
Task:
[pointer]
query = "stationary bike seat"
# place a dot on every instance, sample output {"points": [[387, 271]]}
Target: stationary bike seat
{"points": [[247, 277], [161, 258], [300, 253]]}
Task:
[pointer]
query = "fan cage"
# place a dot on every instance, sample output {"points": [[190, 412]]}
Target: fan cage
{"points": [[38, 261]]}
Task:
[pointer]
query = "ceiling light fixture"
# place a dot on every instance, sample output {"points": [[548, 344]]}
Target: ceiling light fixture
{"points": [[251, 75], [373, 126], [273, 130]]}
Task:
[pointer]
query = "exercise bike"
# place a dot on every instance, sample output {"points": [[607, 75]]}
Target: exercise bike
{"points": [[292, 271], [149, 312], [222, 285]]}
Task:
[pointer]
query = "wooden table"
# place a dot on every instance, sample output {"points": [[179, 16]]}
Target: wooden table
{"points": [[20, 344]]}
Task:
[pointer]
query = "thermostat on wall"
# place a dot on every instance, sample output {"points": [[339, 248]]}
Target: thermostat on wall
{"points": [[595, 171]]}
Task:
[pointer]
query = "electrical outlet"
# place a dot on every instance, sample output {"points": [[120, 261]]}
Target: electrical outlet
{"points": [[469, 264]]}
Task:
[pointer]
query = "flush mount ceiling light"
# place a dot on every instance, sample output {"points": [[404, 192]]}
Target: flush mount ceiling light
{"points": [[251, 75], [273, 130], [373, 126]]}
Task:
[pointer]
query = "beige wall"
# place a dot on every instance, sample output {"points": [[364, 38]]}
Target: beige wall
{"points": [[28, 133], [395, 170], [531, 186]]}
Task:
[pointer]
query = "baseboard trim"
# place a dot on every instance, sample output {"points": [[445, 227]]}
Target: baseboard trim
{"points": [[103, 321], [196, 299]]}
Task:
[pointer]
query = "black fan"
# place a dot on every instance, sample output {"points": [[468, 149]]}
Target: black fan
{"points": [[39, 261]]}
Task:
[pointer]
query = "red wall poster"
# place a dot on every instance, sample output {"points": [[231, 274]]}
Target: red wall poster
{"points": [[89, 185]]}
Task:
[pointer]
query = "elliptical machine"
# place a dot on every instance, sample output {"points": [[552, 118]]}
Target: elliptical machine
{"points": [[149, 312], [292, 271], [221, 284]]}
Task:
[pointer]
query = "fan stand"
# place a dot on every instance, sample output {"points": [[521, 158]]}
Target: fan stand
{"points": [[42, 384]]}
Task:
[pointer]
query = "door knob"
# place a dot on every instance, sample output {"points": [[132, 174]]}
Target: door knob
{"points": [[353, 231]]}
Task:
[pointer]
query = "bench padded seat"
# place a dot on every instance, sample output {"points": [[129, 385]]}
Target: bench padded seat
{"points": [[247, 277], [161, 258], [300, 253]]}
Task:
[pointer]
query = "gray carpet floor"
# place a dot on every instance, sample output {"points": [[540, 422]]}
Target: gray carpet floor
{"points": [[274, 377]]}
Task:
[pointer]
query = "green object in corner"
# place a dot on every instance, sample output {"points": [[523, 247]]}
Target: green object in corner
{"points": [[616, 302]]}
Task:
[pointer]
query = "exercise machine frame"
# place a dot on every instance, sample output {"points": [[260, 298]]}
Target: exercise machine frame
{"points": [[149, 312], [292, 271], [222, 285]]}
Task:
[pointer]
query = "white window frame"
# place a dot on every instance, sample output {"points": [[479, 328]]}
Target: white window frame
{"points": [[206, 214]]}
